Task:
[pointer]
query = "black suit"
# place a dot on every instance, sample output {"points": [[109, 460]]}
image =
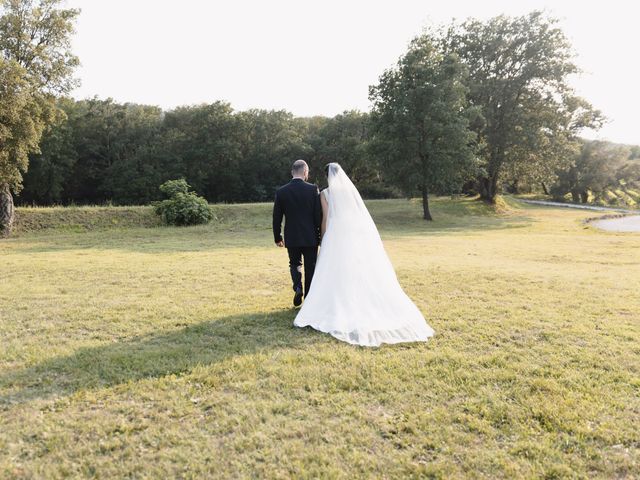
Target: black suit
{"points": [[299, 202]]}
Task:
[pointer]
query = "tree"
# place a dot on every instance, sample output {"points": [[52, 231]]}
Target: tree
{"points": [[36, 65], [593, 169], [269, 142], [420, 121], [549, 143], [51, 171], [205, 147], [18, 135], [345, 139], [518, 70], [111, 143]]}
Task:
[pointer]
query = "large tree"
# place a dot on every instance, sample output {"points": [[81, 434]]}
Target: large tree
{"points": [[549, 143], [593, 169], [19, 134], [518, 78], [36, 66], [420, 122]]}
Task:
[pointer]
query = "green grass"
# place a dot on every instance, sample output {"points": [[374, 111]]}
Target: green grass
{"points": [[79, 219], [170, 353]]}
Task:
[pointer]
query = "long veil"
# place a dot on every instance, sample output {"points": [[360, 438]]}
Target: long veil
{"points": [[347, 211], [355, 295]]}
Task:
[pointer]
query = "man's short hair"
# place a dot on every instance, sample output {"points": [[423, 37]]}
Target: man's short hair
{"points": [[299, 166]]}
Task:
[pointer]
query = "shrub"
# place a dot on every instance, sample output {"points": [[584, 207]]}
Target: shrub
{"points": [[171, 188], [182, 207]]}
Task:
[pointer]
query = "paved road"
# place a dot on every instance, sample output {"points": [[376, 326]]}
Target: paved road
{"points": [[621, 224], [630, 223], [573, 205]]}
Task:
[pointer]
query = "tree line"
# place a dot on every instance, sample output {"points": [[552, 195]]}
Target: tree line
{"points": [[473, 106], [103, 151], [109, 152]]}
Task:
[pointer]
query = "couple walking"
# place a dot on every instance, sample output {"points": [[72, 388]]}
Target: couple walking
{"points": [[350, 288]]}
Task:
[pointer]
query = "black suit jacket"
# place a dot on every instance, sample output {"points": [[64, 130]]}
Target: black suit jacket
{"points": [[299, 202]]}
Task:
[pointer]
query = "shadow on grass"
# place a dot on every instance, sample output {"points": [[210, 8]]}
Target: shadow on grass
{"points": [[156, 356]]}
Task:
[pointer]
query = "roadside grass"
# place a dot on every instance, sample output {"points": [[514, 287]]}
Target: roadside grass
{"points": [[170, 352]]}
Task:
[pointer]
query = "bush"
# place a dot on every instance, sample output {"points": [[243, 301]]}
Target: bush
{"points": [[172, 187], [182, 207]]}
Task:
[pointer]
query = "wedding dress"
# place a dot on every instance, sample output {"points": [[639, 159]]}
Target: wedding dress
{"points": [[355, 295]]}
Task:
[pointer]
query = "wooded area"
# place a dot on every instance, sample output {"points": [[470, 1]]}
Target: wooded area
{"points": [[471, 107]]}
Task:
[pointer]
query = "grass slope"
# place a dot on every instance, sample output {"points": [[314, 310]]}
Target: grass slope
{"points": [[170, 352], [79, 219]]}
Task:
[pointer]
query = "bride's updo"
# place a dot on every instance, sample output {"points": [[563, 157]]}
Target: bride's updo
{"points": [[332, 166]]}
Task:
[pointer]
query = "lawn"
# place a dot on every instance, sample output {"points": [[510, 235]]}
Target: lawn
{"points": [[155, 352]]}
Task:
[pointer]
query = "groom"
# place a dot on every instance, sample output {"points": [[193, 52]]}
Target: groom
{"points": [[299, 202]]}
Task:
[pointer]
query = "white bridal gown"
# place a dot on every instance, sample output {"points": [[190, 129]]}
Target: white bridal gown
{"points": [[355, 295]]}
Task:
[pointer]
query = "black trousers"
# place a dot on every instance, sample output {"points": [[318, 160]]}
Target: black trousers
{"points": [[296, 254]]}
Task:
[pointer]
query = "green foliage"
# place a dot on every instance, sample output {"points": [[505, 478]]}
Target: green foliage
{"points": [[173, 187], [420, 119], [598, 167], [122, 152], [111, 141], [37, 35], [51, 171], [345, 139], [518, 70], [182, 207], [21, 124], [36, 64], [504, 79]]}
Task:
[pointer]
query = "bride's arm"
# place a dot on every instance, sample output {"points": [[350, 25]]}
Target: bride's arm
{"points": [[325, 214]]}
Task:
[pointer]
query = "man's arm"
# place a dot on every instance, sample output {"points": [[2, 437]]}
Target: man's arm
{"points": [[317, 215], [277, 221], [325, 215]]}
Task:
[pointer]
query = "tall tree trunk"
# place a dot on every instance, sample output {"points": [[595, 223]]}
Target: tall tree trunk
{"points": [[575, 196], [544, 188], [6, 210], [483, 188], [426, 214], [488, 187], [489, 184], [584, 197]]}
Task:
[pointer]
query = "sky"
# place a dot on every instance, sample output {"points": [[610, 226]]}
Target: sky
{"points": [[320, 57]]}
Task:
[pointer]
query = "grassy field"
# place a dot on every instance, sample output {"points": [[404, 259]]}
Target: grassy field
{"points": [[170, 353]]}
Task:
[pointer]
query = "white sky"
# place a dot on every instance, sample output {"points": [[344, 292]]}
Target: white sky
{"points": [[319, 58]]}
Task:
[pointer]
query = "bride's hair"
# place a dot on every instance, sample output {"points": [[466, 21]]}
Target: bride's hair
{"points": [[330, 165]]}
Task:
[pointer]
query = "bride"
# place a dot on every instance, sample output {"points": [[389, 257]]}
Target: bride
{"points": [[355, 295]]}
